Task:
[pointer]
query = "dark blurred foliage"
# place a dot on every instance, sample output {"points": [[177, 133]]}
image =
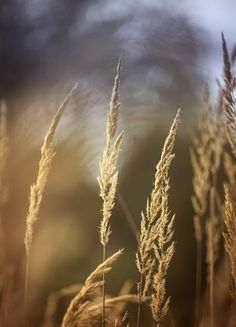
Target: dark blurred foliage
{"points": [[44, 44]]}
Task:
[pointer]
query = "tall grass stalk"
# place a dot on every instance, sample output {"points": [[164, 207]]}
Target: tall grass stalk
{"points": [[200, 154], [37, 189], [156, 248], [230, 239], [229, 98], [108, 176]]}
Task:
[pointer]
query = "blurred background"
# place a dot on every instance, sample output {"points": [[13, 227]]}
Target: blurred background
{"points": [[169, 50]]}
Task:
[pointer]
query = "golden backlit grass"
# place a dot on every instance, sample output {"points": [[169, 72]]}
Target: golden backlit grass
{"points": [[212, 154]]}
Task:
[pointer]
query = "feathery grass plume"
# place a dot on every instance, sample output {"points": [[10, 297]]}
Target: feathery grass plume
{"points": [[217, 136], [200, 154], [213, 234], [230, 170], [206, 157], [37, 189], [164, 250], [229, 104], [78, 306], [91, 314], [156, 230], [108, 176], [230, 238], [229, 98]]}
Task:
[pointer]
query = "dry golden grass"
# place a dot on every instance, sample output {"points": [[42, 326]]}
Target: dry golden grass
{"points": [[163, 250], [229, 100], [37, 189], [206, 157], [229, 105], [77, 310], [108, 177], [200, 153], [230, 238], [230, 170], [156, 231], [212, 152]]}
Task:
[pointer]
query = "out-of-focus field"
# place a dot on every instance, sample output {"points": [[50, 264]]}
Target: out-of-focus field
{"points": [[66, 243]]}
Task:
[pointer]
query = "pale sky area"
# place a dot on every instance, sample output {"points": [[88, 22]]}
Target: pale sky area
{"points": [[215, 16]]}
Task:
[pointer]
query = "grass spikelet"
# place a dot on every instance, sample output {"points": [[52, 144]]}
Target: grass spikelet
{"points": [[37, 189], [230, 238], [108, 176], [206, 157], [156, 229], [93, 282], [213, 233], [201, 155], [163, 250], [229, 99], [230, 170], [114, 105]]}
